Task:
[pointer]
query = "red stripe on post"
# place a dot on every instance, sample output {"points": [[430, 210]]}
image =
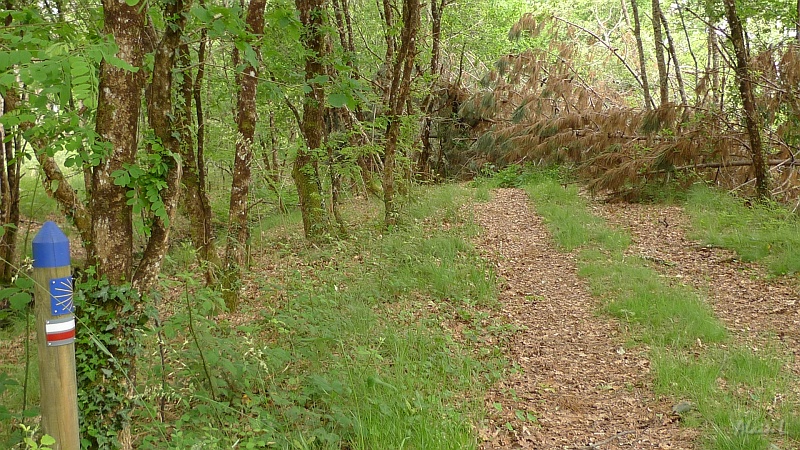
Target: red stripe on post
{"points": [[52, 337]]}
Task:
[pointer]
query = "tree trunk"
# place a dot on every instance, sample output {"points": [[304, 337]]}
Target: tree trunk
{"points": [[305, 170], [663, 76], [674, 54], [9, 184], [624, 9], [423, 161], [246, 117], [398, 94], [165, 120], [195, 198], [751, 117], [117, 123], [637, 33], [9, 193], [274, 172]]}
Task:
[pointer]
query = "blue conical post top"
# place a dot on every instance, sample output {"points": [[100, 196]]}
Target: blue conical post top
{"points": [[50, 247]]}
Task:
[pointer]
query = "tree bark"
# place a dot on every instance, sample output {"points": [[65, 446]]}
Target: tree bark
{"points": [[9, 193], [398, 94], [195, 198], [423, 161], [246, 117], [305, 170], [117, 123], [663, 76], [637, 34], [751, 117], [674, 54], [165, 120]]}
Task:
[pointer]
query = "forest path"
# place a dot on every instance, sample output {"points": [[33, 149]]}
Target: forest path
{"points": [[755, 307], [570, 368]]}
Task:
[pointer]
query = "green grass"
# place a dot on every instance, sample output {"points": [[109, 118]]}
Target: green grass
{"points": [[345, 347], [349, 350], [768, 232], [733, 388], [669, 315]]}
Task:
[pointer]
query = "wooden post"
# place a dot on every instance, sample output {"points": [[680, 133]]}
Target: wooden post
{"points": [[55, 332]]}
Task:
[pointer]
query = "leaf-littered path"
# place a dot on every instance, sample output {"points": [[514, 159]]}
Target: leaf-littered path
{"points": [[573, 383], [761, 311]]}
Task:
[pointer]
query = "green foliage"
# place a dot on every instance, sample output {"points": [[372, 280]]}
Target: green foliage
{"points": [[19, 296], [16, 406], [44, 443], [348, 349], [145, 180], [767, 232], [107, 346]]}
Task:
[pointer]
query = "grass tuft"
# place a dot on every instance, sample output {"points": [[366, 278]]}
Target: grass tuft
{"points": [[768, 232]]}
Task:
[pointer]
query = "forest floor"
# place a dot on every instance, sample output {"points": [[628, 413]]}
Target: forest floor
{"points": [[574, 369]]}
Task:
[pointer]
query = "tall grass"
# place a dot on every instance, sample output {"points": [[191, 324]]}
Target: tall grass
{"points": [[350, 350], [768, 232]]}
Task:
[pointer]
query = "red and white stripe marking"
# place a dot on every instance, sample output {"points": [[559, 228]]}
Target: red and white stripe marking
{"points": [[60, 331]]}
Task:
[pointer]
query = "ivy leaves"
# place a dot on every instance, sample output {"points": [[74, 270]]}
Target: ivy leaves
{"points": [[146, 179]]}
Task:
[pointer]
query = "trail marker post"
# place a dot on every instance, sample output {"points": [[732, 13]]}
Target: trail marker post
{"points": [[55, 334]]}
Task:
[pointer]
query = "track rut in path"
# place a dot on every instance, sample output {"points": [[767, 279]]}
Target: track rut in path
{"points": [[571, 370]]}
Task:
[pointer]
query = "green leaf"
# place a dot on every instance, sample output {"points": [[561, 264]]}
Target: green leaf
{"points": [[121, 177], [19, 301], [202, 14], [319, 79], [337, 100], [24, 282], [47, 440]]}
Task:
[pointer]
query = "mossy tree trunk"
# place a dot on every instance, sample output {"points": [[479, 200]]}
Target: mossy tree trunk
{"points": [[674, 54], [194, 196], [117, 123], [169, 123], [246, 117], [663, 76], [9, 192], [305, 170], [423, 160], [399, 92]]}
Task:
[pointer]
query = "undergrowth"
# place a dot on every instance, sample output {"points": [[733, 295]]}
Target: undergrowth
{"points": [[738, 396], [352, 344], [756, 231], [348, 349]]}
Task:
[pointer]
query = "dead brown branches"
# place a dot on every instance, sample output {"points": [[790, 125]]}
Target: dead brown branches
{"points": [[535, 109]]}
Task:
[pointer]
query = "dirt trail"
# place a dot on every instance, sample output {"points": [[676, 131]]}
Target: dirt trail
{"points": [[572, 372]]}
